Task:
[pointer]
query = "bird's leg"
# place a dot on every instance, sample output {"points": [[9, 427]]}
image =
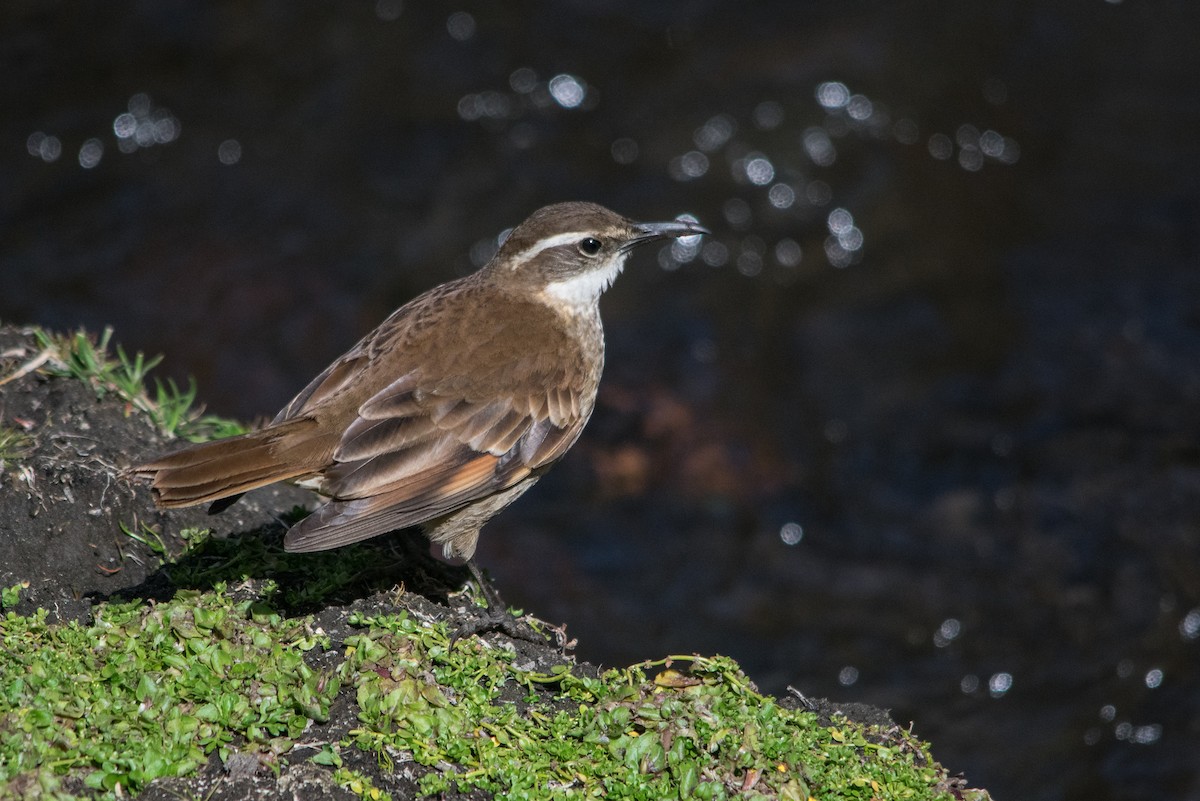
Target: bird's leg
{"points": [[490, 593], [496, 618]]}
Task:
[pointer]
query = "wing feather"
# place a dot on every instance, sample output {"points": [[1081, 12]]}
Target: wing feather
{"points": [[368, 437], [423, 497]]}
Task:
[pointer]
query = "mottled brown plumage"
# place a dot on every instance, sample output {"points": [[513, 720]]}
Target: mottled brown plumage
{"points": [[452, 407]]}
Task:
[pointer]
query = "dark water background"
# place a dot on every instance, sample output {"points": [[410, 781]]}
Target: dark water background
{"points": [[917, 427]]}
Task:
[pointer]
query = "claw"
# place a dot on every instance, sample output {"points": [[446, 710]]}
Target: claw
{"points": [[496, 617]]}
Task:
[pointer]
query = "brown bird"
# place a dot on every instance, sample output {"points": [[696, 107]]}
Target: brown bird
{"points": [[449, 410]]}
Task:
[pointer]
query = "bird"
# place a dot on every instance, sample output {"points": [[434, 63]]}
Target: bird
{"points": [[449, 410]]}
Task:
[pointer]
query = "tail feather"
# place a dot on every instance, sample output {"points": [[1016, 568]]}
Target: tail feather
{"points": [[215, 470]]}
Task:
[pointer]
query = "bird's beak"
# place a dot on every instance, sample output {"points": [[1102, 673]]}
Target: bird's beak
{"points": [[674, 228], [648, 232]]}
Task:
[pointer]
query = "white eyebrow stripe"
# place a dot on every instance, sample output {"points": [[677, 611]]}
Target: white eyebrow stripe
{"points": [[547, 243]]}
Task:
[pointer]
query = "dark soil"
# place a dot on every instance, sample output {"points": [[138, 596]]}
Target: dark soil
{"points": [[62, 507]]}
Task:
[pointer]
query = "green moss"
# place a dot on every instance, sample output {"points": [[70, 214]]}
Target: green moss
{"points": [[150, 691], [11, 596], [360, 785], [702, 734]]}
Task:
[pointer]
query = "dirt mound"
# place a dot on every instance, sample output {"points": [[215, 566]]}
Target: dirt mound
{"points": [[220, 605]]}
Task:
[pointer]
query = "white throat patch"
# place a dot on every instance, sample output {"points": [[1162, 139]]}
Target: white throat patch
{"points": [[584, 290]]}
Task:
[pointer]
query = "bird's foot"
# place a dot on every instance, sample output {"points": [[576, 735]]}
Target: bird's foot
{"points": [[496, 616], [496, 620]]}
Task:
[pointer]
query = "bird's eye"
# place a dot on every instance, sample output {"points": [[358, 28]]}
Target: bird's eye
{"points": [[589, 246]]}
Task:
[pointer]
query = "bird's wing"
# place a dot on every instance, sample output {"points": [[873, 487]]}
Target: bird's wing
{"points": [[418, 451]]}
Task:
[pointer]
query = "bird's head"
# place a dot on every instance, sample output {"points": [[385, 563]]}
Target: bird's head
{"points": [[574, 251]]}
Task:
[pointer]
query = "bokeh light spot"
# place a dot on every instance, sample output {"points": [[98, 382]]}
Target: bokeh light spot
{"points": [[947, 632], [461, 26], [819, 147], [90, 153], [781, 196], [839, 221], [713, 134], [906, 131], [685, 249], [760, 171], [970, 159], [788, 252], [737, 213], [1146, 735], [567, 90], [523, 80], [837, 255], [768, 115], [229, 151], [714, 253], [992, 144], [44, 146], [1189, 627], [749, 263], [144, 125], [791, 533], [482, 251], [832, 94], [689, 166], [940, 146], [860, 108]]}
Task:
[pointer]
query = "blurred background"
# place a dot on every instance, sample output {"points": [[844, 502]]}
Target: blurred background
{"points": [[917, 426]]}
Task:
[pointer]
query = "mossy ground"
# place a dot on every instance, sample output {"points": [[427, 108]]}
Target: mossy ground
{"points": [[167, 655]]}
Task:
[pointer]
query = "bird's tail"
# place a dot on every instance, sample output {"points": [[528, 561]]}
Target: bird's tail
{"points": [[228, 467]]}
